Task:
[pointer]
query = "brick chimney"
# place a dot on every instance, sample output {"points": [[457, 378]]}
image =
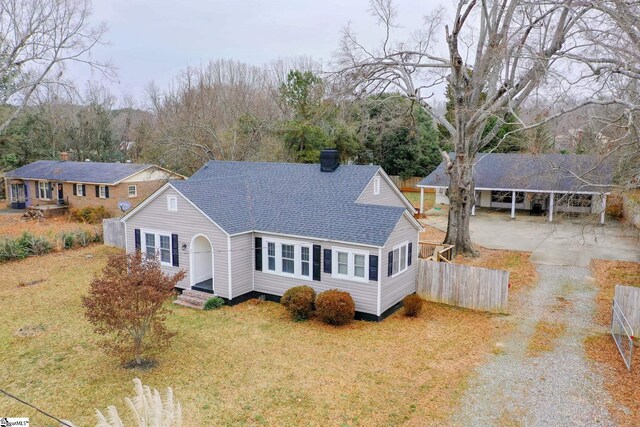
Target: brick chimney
{"points": [[64, 156]]}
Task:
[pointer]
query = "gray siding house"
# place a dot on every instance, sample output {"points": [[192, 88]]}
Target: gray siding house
{"points": [[242, 230]]}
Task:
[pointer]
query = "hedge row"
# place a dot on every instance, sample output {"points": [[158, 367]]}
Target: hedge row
{"points": [[333, 306]]}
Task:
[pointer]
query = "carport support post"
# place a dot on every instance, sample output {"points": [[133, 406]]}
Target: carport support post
{"points": [[513, 205], [551, 207], [421, 201], [604, 208]]}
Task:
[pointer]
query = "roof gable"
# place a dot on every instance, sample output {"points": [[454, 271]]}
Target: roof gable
{"points": [[545, 172]]}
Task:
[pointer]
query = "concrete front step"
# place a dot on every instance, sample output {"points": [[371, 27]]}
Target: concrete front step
{"points": [[188, 304], [197, 294], [192, 300]]}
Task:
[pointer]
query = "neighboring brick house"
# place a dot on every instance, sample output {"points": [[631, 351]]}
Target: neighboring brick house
{"points": [[83, 184]]}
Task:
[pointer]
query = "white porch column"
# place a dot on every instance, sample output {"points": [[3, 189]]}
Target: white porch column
{"points": [[551, 207], [421, 201], [604, 208], [513, 205]]}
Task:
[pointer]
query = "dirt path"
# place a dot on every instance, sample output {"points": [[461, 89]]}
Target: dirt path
{"points": [[525, 383]]}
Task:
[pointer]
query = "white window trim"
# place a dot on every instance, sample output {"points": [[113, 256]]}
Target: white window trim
{"points": [[350, 265], [170, 199], [406, 260], [81, 190], [297, 257], [135, 191], [47, 185], [376, 185], [102, 191], [157, 234]]}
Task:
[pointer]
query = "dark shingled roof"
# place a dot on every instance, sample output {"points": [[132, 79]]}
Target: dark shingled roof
{"points": [[94, 172], [544, 172], [293, 199]]}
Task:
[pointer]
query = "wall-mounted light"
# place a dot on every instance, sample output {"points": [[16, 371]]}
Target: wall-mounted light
{"points": [[184, 246]]}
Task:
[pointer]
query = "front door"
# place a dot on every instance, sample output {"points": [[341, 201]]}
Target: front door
{"points": [[60, 194]]}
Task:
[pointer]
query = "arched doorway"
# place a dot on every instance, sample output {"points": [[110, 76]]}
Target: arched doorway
{"points": [[201, 263]]}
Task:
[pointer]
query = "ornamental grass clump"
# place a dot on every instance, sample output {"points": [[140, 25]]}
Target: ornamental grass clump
{"points": [[412, 305], [335, 307], [299, 301]]}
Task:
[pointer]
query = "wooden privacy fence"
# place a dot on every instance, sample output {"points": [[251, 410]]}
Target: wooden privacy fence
{"points": [[628, 299], [113, 232], [409, 184], [463, 285]]}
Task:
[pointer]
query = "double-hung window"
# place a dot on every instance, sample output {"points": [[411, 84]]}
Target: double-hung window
{"points": [[80, 190], [44, 190], [288, 258], [132, 191], [400, 254], [158, 245], [350, 264], [102, 192]]}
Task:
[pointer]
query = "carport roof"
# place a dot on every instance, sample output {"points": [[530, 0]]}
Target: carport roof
{"points": [[566, 173]]}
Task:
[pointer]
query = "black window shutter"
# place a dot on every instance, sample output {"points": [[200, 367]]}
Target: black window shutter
{"points": [[97, 191], [327, 261], [136, 233], [106, 191], [390, 266], [409, 253], [75, 189], [37, 189], [373, 268], [258, 253], [175, 255], [317, 254]]}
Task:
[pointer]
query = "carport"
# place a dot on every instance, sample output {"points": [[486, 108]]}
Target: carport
{"points": [[539, 184]]}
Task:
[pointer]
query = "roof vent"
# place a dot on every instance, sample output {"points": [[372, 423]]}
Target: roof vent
{"points": [[329, 160]]}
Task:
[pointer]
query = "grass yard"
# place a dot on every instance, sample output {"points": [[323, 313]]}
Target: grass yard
{"points": [[11, 225], [621, 384], [242, 365], [414, 198]]}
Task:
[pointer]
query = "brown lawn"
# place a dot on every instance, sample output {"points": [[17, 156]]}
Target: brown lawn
{"points": [[621, 384], [242, 365], [11, 225]]}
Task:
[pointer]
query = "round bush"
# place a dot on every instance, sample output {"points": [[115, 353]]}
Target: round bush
{"points": [[335, 307], [299, 301], [412, 305], [213, 303]]}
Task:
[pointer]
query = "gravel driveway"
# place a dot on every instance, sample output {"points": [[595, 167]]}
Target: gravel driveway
{"points": [[556, 388]]}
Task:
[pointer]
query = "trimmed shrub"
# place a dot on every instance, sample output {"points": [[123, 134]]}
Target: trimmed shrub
{"points": [[335, 307], [412, 305], [213, 303], [299, 301]]}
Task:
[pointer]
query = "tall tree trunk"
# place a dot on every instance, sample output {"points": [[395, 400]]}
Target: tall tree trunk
{"points": [[461, 193]]}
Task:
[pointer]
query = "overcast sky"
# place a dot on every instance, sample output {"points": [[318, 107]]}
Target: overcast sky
{"points": [[152, 40]]}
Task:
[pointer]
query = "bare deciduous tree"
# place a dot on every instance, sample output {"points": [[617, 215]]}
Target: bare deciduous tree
{"points": [[498, 54], [37, 39]]}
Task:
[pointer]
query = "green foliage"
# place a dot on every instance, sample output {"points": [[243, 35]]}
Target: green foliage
{"points": [[399, 136], [90, 215], [304, 141], [412, 305], [11, 249], [213, 303], [299, 302], [335, 307], [506, 140], [303, 93], [34, 245]]}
